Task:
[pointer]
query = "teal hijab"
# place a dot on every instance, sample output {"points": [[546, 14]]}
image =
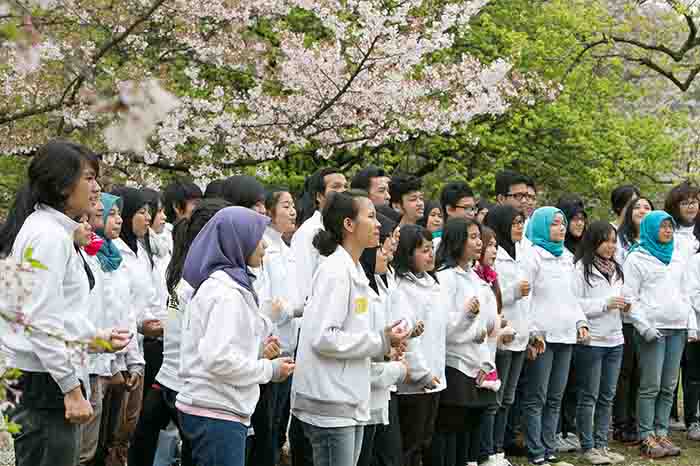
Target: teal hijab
{"points": [[538, 230], [109, 256], [649, 236]]}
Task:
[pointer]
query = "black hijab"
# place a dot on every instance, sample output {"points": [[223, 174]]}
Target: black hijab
{"points": [[133, 200], [500, 219]]}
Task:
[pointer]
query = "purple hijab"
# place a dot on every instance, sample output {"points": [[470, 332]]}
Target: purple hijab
{"points": [[225, 243]]}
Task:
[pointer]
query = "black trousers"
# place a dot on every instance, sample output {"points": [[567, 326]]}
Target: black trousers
{"points": [[387, 439], [417, 416], [157, 412], [302, 452], [625, 416], [691, 383]]}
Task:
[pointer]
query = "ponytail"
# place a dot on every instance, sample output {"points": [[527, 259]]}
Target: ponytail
{"points": [[339, 206]]}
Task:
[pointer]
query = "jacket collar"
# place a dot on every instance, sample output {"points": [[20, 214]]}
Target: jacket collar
{"points": [[357, 273], [67, 223]]}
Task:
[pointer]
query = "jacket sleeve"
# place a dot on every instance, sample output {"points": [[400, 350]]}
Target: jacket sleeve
{"points": [[401, 308], [691, 282], [134, 359], [459, 320], [385, 374], [632, 290], [44, 309], [592, 307], [222, 346], [332, 340]]}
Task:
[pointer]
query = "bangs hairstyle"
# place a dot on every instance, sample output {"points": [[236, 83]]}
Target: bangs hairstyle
{"points": [[453, 242], [177, 194], [596, 234], [621, 196], [401, 185], [452, 193], [272, 198], [675, 196], [363, 179], [412, 237], [628, 230], [429, 207], [338, 207]]}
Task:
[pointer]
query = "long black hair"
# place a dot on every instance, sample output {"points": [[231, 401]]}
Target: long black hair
{"points": [[338, 207], [412, 236], [453, 243], [500, 219], [184, 232], [628, 231], [596, 234], [54, 170], [133, 200], [572, 206]]}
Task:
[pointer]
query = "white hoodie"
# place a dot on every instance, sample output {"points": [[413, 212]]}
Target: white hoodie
{"points": [[554, 309], [655, 294], [98, 364], [516, 308], [331, 386], [58, 301], [222, 340], [605, 326], [168, 375], [420, 299], [306, 256], [145, 299]]}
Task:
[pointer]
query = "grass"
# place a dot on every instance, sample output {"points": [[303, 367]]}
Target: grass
{"points": [[689, 457]]}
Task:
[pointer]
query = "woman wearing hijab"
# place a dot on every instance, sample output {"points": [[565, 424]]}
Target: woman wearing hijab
{"points": [[661, 315], [575, 213], [557, 313], [223, 338]]}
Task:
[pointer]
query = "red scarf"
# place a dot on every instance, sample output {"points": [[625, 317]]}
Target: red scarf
{"points": [[486, 273], [94, 246]]}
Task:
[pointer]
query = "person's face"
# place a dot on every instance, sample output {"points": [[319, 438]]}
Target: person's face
{"points": [[531, 202], [365, 228], [255, 259], [577, 225], [557, 230], [412, 207], [158, 223], [481, 215], [423, 257], [434, 222], [607, 248], [472, 250], [284, 216], [186, 212], [517, 229], [689, 209], [335, 183], [83, 234], [517, 197], [640, 210], [490, 253], [379, 190], [84, 194], [666, 232], [113, 227], [465, 208], [141, 222], [97, 217], [382, 262]]}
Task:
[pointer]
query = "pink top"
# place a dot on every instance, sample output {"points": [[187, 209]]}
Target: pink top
{"points": [[211, 413]]}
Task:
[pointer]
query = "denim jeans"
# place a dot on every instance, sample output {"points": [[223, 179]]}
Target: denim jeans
{"points": [[46, 438], [166, 452], [597, 371], [659, 362], [215, 442], [547, 377], [509, 365], [335, 446]]}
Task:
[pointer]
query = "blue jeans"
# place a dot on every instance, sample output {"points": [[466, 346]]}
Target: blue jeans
{"points": [[167, 448], [336, 446], [215, 442], [659, 363], [597, 371], [547, 376]]}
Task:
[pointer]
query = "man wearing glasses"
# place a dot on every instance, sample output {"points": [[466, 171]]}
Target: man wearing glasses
{"points": [[456, 200]]}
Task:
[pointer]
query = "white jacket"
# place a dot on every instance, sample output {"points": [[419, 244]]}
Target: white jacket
{"points": [[554, 309], [463, 352], [98, 364], [306, 256], [277, 279], [222, 339], [145, 299], [331, 386], [691, 285], [605, 326], [516, 308], [415, 299], [168, 375], [656, 295], [58, 300]]}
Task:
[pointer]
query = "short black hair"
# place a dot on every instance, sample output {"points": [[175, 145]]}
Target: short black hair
{"points": [[401, 185], [675, 196], [363, 178], [314, 184], [507, 178], [452, 193], [215, 189], [530, 182], [176, 194], [621, 196]]}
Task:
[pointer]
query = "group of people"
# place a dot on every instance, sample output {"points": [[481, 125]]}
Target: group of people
{"points": [[360, 325]]}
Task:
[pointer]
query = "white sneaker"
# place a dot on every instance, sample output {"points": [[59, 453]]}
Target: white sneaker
{"points": [[562, 445], [493, 460], [595, 457], [572, 439], [502, 458], [615, 458]]}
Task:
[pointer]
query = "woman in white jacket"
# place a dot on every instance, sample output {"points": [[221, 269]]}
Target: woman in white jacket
{"points": [[557, 313], [662, 315], [691, 382], [508, 224], [222, 338], [598, 286], [467, 354], [331, 389], [417, 298]]}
